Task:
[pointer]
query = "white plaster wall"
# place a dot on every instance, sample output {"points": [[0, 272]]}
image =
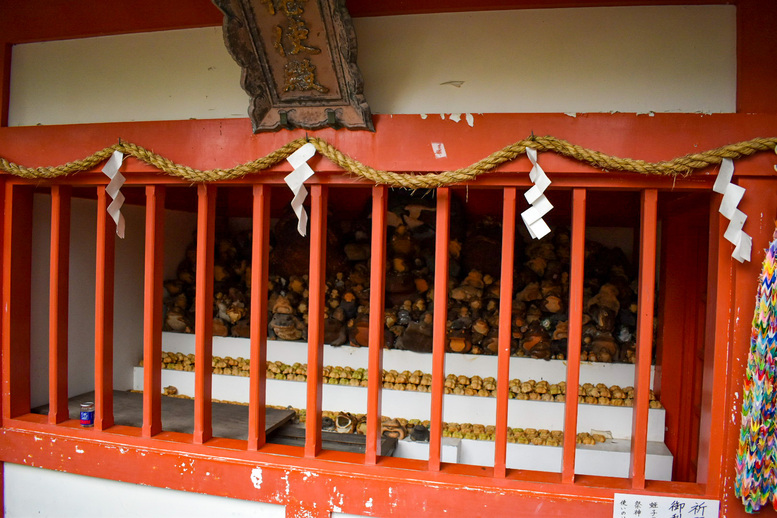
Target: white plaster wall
{"points": [[629, 59], [128, 300], [76, 496]]}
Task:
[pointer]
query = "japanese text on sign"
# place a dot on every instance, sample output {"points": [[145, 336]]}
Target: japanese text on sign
{"points": [[648, 506]]}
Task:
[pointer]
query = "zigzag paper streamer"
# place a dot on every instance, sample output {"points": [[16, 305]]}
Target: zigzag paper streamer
{"points": [[756, 480], [111, 170], [296, 180], [540, 205], [732, 195]]}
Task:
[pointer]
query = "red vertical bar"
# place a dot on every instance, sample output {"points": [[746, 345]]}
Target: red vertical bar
{"points": [[59, 268], [152, 310], [756, 45], [17, 270], [377, 322], [203, 313], [318, 202], [647, 283], [505, 333], [574, 338], [3, 357], [438, 324], [103, 314], [260, 253], [717, 356], [5, 81]]}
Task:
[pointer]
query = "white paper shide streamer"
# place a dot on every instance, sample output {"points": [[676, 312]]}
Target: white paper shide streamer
{"points": [[732, 195], [540, 205], [111, 170], [296, 182]]}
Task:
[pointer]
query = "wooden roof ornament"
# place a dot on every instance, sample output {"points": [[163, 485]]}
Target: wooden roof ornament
{"points": [[299, 63]]}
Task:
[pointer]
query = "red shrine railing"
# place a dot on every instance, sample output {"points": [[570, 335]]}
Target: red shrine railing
{"points": [[233, 458]]}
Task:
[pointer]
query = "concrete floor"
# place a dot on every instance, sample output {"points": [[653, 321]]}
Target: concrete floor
{"points": [[229, 420]]}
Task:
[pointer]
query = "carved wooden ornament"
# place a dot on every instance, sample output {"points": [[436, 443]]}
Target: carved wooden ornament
{"points": [[299, 63]]}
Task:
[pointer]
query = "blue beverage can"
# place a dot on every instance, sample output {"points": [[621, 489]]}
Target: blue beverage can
{"points": [[87, 414]]}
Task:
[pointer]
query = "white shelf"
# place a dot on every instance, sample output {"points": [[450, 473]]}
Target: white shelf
{"points": [[552, 371], [417, 405], [609, 459]]}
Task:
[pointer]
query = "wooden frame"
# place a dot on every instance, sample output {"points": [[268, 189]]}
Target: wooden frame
{"points": [[396, 486]]}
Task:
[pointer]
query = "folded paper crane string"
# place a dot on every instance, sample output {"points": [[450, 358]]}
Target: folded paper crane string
{"points": [[756, 461]]}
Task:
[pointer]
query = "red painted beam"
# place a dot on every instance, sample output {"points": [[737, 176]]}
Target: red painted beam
{"points": [[206, 144], [44, 20], [5, 81], [756, 47], [365, 490]]}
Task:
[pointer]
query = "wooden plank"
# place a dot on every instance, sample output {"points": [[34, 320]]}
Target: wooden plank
{"points": [[59, 271]]}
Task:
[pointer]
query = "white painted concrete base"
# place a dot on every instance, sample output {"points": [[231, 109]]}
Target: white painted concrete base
{"points": [[76, 496]]}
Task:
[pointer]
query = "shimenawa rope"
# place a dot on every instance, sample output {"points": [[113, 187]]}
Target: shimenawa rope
{"points": [[681, 166]]}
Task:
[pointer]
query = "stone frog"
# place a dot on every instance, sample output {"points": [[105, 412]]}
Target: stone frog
{"points": [[286, 326]]}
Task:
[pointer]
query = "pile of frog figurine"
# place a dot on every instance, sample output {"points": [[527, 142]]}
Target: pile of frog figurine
{"points": [[539, 314]]}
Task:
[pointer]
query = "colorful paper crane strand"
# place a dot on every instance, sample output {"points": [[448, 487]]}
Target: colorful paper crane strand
{"points": [[756, 482]]}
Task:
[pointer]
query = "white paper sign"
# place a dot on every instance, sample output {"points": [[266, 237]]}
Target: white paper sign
{"points": [[649, 506]]}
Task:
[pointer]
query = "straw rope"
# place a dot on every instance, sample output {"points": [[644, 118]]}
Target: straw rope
{"points": [[681, 166]]}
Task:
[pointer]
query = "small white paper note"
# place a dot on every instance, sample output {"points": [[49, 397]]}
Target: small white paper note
{"points": [[724, 176], [439, 150], [650, 506], [113, 189], [296, 180]]}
